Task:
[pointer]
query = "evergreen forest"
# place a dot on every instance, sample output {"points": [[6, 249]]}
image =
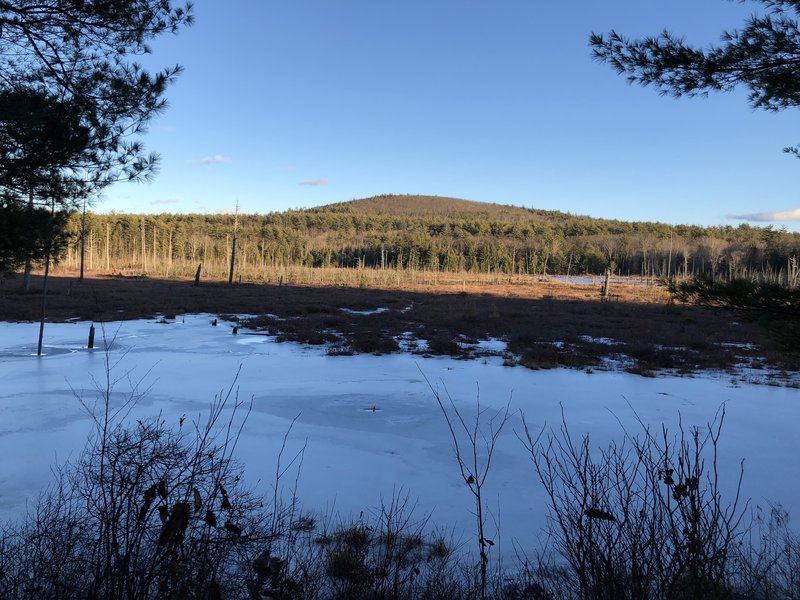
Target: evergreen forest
{"points": [[427, 233]]}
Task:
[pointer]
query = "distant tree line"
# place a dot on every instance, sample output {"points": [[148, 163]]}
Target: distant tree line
{"points": [[486, 238]]}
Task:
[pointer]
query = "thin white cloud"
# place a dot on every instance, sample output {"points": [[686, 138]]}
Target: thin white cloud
{"points": [[217, 159], [315, 182], [793, 214], [165, 201]]}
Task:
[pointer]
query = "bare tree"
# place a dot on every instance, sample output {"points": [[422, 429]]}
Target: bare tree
{"points": [[474, 444]]}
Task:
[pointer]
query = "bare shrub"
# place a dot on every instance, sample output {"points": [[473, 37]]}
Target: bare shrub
{"points": [[641, 519], [474, 444], [146, 510], [389, 554], [768, 565]]}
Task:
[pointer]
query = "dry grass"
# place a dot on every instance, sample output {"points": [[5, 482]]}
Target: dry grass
{"points": [[546, 323]]}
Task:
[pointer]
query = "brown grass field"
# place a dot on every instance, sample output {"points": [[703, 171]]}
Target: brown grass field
{"points": [[546, 323]]}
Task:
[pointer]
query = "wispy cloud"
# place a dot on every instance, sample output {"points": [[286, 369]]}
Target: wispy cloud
{"points": [[315, 182], [165, 201], [217, 159], [793, 214]]}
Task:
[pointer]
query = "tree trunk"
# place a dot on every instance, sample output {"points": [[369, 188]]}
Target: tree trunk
{"points": [[83, 240], [144, 248], [44, 286], [169, 256], [26, 276], [233, 260], [233, 244]]}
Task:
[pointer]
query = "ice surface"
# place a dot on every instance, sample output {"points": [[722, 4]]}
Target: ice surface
{"points": [[356, 455], [590, 280]]}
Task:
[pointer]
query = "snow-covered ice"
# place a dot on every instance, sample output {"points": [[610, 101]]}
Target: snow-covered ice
{"points": [[356, 455], [373, 311]]}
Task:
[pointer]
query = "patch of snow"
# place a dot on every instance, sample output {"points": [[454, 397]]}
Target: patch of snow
{"points": [[616, 362], [406, 341], [661, 347], [599, 340], [253, 338], [739, 345], [494, 345], [374, 311]]}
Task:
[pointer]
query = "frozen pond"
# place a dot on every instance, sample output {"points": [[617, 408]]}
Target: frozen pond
{"points": [[356, 455], [593, 279]]}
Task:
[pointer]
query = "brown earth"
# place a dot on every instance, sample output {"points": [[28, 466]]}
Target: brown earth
{"points": [[546, 323]]}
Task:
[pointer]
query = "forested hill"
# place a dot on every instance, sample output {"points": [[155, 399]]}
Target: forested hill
{"points": [[434, 233], [440, 207]]}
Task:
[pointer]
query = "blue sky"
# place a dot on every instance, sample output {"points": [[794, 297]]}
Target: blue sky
{"points": [[296, 104]]}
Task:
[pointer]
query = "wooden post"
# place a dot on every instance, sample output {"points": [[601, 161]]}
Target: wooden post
{"points": [[26, 277], [144, 247], [233, 260], [197, 275], [90, 345], [604, 293], [233, 244], [44, 282], [44, 299], [83, 239]]}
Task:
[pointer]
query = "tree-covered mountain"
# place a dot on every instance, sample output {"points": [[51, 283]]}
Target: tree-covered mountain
{"points": [[435, 233]]}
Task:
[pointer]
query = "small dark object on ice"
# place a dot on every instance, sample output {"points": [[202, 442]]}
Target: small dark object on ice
{"points": [[374, 408], [214, 323], [235, 330]]}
